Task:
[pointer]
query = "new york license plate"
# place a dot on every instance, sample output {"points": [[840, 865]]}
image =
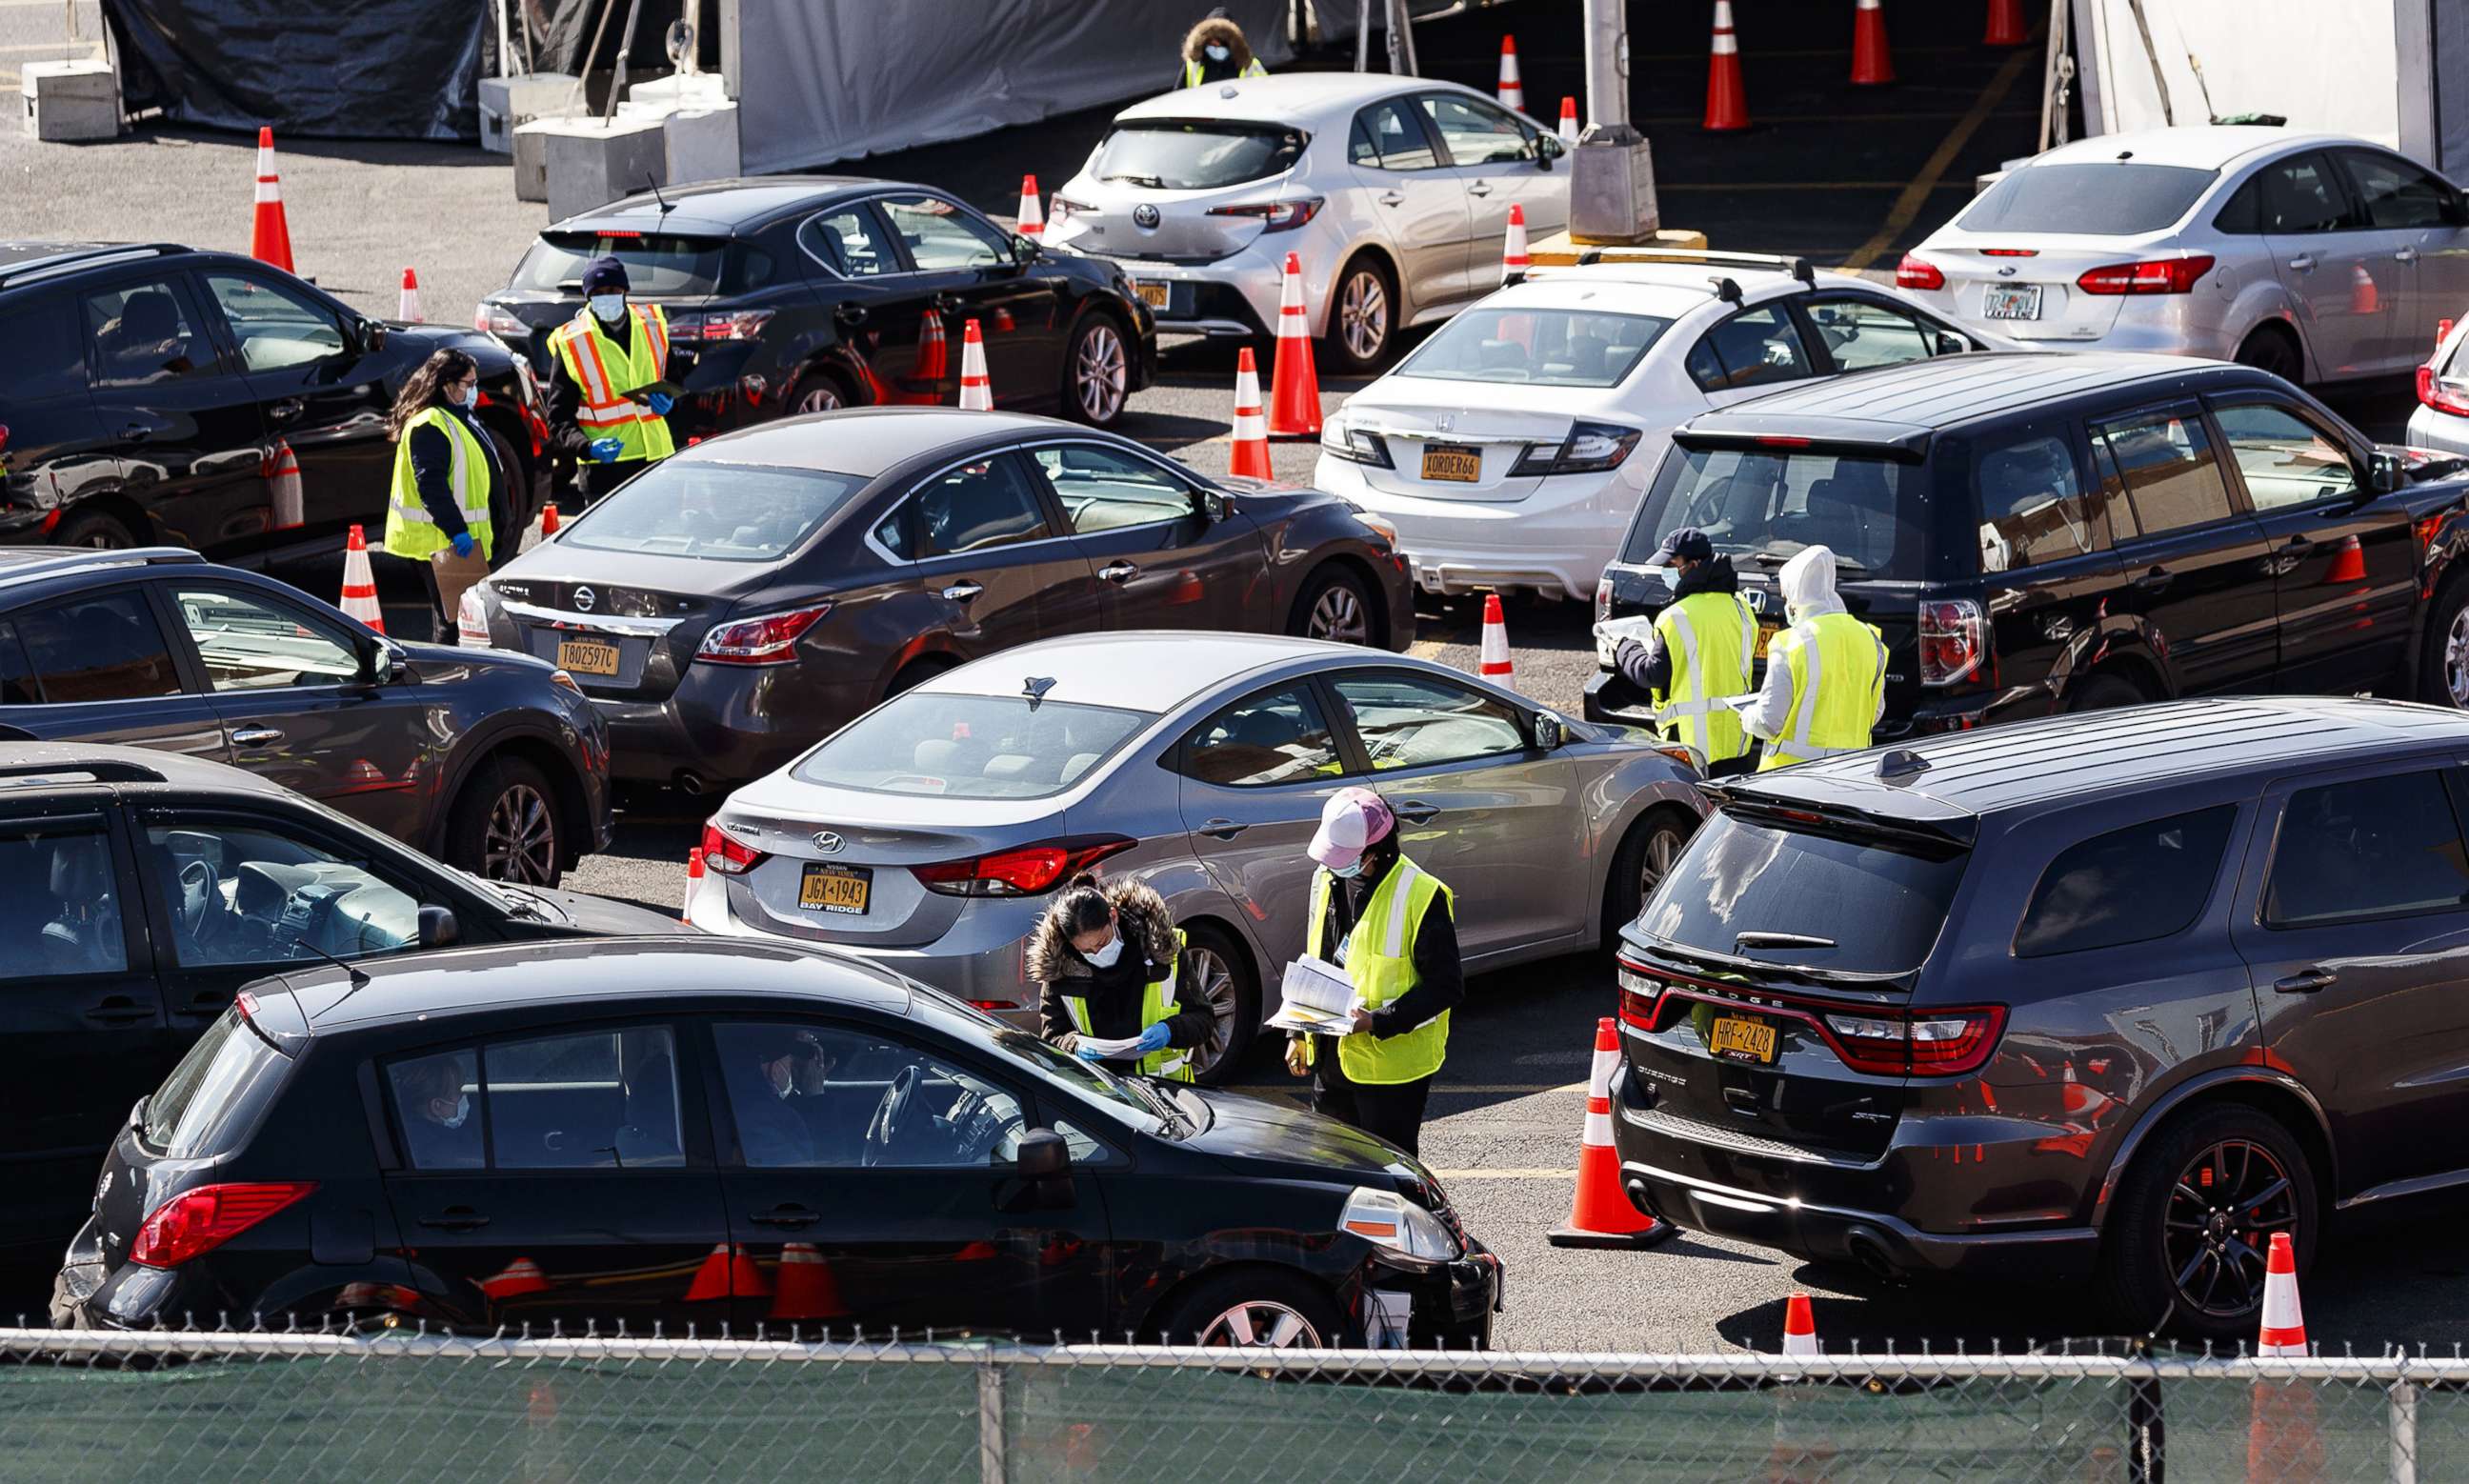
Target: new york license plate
{"points": [[586, 657], [1766, 636], [1742, 1040], [1154, 295], [2011, 301], [840, 888], [1452, 461]]}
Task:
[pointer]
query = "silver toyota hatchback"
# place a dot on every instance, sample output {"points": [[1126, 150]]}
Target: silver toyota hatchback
{"points": [[926, 834]]}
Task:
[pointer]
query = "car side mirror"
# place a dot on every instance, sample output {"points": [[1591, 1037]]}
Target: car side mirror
{"points": [[384, 664], [2386, 474], [1216, 506], [1547, 148], [1025, 252], [1548, 736], [1044, 1155], [1948, 343], [438, 928], [372, 337]]}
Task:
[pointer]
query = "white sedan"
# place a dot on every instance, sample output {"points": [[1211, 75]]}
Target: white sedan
{"points": [[1510, 448]]}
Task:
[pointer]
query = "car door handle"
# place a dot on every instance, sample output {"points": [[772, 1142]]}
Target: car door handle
{"points": [[257, 736], [285, 410], [2156, 579], [2406, 255], [2299, 543], [1223, 829], [1119, 571], [455, 1219], [1477, 188], [2305, 982], [118, 1010], [947, 301], [1392, 198], [1414, 811], [135, 431], [790, 1215], [2304, 263], [962, 591], [850, 313]]}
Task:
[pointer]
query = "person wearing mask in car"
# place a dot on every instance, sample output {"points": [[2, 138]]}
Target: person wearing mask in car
{"points": [[785, 1063], [1107, 961], [598, 361], [445, 465], [438, 1130], [1697, 650], [1825, 675], [1217, 51], [1386, 921]]}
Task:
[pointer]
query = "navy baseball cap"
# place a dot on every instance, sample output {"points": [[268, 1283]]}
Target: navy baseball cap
{"points": [[605, 275], [1687, 542]]}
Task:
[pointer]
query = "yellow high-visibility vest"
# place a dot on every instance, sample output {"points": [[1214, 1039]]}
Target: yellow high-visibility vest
{"points": [[409, 530], [1157, 1003], [1380, 962], [1839, 673], [1710, 638], [604, 373], [1192, 76]]}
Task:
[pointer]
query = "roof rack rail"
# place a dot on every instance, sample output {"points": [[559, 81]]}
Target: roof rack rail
{"points": [[1797, 267], [88, 560], [90, 255], [96, 770]]}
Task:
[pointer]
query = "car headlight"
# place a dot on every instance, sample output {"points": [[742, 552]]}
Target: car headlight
{"points": [[1591, 448], [1391, 1220], [1342, 439]]}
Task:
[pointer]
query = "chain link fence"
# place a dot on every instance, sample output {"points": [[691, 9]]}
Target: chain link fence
{"points": [[404, 1406]]}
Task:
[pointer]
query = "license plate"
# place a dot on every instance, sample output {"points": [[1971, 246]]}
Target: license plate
{"points": [[2011, 301], [586, 657], [1154, 295], [1766, 636], [1742, 1040], [841, 889], [1452, 461]]}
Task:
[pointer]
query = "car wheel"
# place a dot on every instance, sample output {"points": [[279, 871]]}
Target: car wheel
{"points": [[819, 391], [97, 529], [1363, 319], [2103, 693], [918, 672], [1334, 607], [2186, 1245], [505, 825], [2272, 349], [1096, 372], [2444, 680], [1220, 972], [1253, 1309], [1646, 855]]}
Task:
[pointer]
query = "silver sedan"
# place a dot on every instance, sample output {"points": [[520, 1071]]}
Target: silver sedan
{"points": [[926, 834]]}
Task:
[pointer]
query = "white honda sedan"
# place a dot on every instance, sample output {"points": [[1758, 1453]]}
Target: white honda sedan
{"points": [[1510, 448]]}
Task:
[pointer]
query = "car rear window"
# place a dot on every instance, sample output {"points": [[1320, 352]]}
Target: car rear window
{"points": [[1169, 154], [723, 512], [1544, 347], [2135, 884], [1761, 507], [206, 1105], [653, 264], [2108, 199], [970, 747], [1877, 905]]}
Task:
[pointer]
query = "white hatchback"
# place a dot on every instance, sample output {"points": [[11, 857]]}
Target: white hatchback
{"points": [[1510, 450]]}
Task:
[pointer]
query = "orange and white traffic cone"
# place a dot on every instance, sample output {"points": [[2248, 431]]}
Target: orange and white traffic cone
{"points": [[1495, 665], [548, 519], [696, 875], [1870, 62], [1251, 457], [1032, 216], [1568, 120], [1294, 397], [1513, 259], [1800, 1329], [2284, 1324], [283, 483], [977, 393], [2006, 24], [359, 584], [1802, 1450], [407, 309], [1601, 1215], [270, 235], [2283, 1440], [804, 1289], [1513, 92], [518, 1278], [1727, 102]]}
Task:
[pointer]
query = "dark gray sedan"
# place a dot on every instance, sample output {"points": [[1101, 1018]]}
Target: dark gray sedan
{"points": [[734, 603]]}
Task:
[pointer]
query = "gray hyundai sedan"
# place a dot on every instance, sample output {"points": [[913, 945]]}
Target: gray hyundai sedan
{"points": [[927, 834]]}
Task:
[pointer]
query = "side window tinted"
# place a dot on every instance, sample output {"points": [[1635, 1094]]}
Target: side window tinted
{"points": [[247, 643], [1862, 335], [892, 534], [1705, 367], [2243, 214], [2285, 461], [978, 507], [107, 648], [2372, 847], [1277, 736], [16, 675], [1101, 489], [245, 894], [598, 1101], [942, 236], [2032, 504], [849, 241], [148, 331], [1359, 148], [46, 357], [59, 903], [1398, 136], [1752, 348], [2130, 886], [2394, 193], [1408, 721], [2301, 195], [437, 1107], [1475, 132], [274, 326], [2165, 464], [827, 1098]]}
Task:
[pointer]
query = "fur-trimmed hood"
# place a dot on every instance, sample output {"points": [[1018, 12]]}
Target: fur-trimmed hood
{"points": [[1141, 915], [1226, 33]]}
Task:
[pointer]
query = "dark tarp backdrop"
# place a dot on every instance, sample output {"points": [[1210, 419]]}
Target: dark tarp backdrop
{"points": [[336, 69]]}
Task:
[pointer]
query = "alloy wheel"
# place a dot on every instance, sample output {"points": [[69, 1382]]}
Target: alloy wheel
{"points": [[1210, 974], [1339, 616], [1662, 850], [1099, 375], [2217, 1223], [823, 397], [520, 843], [2455, 659], [1363, 315], [1260, 1324]]}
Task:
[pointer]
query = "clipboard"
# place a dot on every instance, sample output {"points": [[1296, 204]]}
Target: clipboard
{"points": [[663, 386]]}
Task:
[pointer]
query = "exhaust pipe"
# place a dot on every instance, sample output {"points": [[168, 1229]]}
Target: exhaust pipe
{"points": [[691, 784], [1869, 1250]]}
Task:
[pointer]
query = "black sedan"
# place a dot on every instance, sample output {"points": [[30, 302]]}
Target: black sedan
{"points": [[802, 293], [731, 605], [690, 1133]]}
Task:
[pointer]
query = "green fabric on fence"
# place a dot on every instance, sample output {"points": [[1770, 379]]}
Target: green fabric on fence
{"points": [[2230, 1432]]}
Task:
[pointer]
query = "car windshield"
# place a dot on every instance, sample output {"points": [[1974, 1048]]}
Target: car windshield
{"points": [[1760, 507], [656, 266], [1852, 903], [2111, 199], [1545, 347], [1171, 154], [726, 512], [1137, 1101], [950, 745]]}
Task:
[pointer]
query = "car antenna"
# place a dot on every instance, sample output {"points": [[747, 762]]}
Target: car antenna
{"points": [[1035, 689], [650, 180], [360, 976]]}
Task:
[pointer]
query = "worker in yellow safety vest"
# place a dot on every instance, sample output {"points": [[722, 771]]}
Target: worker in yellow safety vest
{"points": [[1108, 963], [601, 362], [1825, 675], [1386, 922], [1697, 652], [445, 465], [1217, 51]]}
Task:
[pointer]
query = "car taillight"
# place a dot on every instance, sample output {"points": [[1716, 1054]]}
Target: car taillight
{"points": [[2438, 394], [726, 325], [495, 319], [1954, 639], [1640, 996], [1603, 597], [1274, 216], [2157, 275], [766, 639], [1059, 209], [1027, 870], [1591, 448], [1932, 1043], [726, 853], [199, 1220], [1917, 272]]}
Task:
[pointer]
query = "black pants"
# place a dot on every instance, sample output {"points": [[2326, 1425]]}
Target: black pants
{"points": [[1393, 1112]]}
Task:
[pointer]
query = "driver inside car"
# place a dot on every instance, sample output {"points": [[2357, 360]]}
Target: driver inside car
{"points": [[786, 1063]]}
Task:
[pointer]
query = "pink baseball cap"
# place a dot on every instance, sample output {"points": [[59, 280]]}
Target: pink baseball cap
{"points": [[1352, 819]]}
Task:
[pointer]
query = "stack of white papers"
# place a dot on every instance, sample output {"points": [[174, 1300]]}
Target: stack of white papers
{"points": [[1110, 1050], [1319, 998]]}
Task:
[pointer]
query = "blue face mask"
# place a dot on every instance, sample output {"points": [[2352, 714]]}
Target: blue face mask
{"points": [[1218, 53], [468, 397], [609, 306], [1349, 872]]}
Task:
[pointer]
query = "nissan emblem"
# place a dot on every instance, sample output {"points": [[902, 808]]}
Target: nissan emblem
{"points": [[584, 599], [829, 841]]}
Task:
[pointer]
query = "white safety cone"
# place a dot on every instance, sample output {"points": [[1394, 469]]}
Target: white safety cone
{"points": [[1513, 92], [1496, 664], [359, 584], [1032, 216], [977, 393], [2284, 1325], [408, 309], [1568, 120], [1513, 260], [1799, 1329]]}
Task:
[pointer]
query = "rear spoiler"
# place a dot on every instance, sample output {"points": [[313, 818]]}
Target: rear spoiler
{"points": [[1904, 442], [1956, 832], [274, 1015]]}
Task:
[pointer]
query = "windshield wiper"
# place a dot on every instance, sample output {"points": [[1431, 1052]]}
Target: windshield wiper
{"points": [[1779, 558], [1153, 182], [1157, 1099], [1758, 940]]}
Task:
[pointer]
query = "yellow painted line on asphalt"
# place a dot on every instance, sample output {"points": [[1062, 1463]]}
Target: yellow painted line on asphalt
{"points": [[1916, 195]]}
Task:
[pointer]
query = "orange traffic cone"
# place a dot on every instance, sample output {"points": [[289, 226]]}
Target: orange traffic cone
{"points": [[409, 308], [2284, 1325], [1799, 1328], [1032, 216], [804, 1288], [1294, 397], [2349, 564], [548, 519], [282, 469], [1568, 118], [1495, 666], [2282, 1440], [519, 1277], [1870, 64], [1251, 459], [2006, 27], [1513, 92], [1513, 260], [695, 876], [728, 1269], [1727, 102], [359, 584], [270, 235], [1802, 1450], [1601, 1215], [977, 393]]}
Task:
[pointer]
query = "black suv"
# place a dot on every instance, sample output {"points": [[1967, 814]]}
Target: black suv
{"points": [[2041, 533], [139, 892], [492, 761], [2120, 994], [802, 294], [160, 394]]}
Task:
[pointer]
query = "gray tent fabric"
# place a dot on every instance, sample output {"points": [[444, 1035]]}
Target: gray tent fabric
{"points": [[365, 69], [837, 80]]}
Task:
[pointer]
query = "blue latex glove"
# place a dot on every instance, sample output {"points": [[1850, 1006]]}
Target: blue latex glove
{"points": [[464, 545], [1085, 1051], [659, 402], [605, 450], [1153, 1039]]}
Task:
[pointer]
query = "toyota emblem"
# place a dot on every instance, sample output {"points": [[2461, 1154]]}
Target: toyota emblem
{"points": [[1144, 216], [829, 841], [584, 599]]}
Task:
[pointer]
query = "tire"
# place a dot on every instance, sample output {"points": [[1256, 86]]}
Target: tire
{"points": [[918, 672], [2142, 1254], [1362, 318], [1335, 606], [2103, 693], [1219, 967], [1646, 853], [505, 825], [1273, 1302], [2272, 348], [509, 516], [1096, 371], [99, 529], [818, 391], [2444, 665]]}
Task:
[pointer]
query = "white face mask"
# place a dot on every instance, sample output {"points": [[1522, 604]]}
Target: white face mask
{"points": [[609, 306], [462, 1111], [1104, 957], [467, 398], [1216, 52]]}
